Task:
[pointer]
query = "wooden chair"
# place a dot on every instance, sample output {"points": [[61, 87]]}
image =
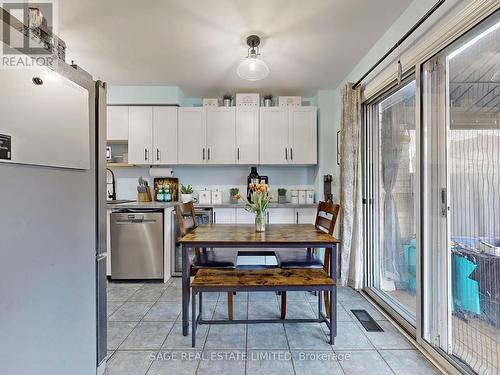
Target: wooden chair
{"points": [[326, 217], [205, 258]]}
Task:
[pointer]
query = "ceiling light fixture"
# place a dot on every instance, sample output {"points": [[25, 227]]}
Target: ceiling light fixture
{"points": [[252, 68]]}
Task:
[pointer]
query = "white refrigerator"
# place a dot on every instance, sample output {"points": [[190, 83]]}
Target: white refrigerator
{"points": [[52, 222]]}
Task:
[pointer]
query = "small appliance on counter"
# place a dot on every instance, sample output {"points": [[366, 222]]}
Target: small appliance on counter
{"points": [[205, 197], [294, 197], [327, 188], [254, 178]]}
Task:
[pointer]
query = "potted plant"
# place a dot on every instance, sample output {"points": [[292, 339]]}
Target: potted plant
{"points": [[268, 100], [281, 195], [186, 193], [233, 192], [258, 204], [226, 100]]}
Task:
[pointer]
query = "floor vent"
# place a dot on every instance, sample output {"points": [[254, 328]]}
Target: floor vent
{"points": [[367, 321]]}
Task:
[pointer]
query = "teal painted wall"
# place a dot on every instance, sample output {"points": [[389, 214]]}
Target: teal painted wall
{"points": [[144, 95]]}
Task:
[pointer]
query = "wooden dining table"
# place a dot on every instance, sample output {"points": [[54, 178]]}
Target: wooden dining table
{"points": [[244, 236]]}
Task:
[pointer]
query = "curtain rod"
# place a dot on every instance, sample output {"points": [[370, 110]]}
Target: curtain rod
{"points": [[400, 41]]}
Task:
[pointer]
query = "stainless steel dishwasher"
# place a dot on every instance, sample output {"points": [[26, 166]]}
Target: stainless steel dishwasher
{"points": [[136, 244]]}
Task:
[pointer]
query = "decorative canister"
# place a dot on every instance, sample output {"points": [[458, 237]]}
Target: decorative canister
{"points": [[294, 197], [309, 196], [205, 197], [302, 197], [216, 197]]}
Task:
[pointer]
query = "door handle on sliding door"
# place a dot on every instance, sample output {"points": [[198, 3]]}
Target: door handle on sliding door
{"points": [[338, 147]]}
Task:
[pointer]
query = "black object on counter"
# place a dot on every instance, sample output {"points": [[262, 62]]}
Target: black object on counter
{"points": [[327, 188], [254, 178]]}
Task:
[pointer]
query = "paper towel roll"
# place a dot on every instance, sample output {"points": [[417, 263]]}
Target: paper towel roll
{"points": [[161, 172]]}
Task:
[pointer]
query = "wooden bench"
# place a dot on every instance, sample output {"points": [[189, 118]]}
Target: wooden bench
{"points": [[259, 280]]}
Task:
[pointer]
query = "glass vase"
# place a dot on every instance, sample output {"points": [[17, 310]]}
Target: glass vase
{"points": [[260, 221]]}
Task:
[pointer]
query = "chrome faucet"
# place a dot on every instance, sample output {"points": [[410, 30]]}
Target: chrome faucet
{"points": [[113, 183]]}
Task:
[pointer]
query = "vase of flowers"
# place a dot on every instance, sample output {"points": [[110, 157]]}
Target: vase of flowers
{"points": [[258, 204]]}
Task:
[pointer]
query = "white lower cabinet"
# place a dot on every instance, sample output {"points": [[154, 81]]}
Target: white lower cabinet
{"points": [[224, 216], [305, 215], [281, 216], [244, 217], [275, 216]]}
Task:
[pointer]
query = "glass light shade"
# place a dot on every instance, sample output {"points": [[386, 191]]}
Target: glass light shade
{"points": [[252, 69]]}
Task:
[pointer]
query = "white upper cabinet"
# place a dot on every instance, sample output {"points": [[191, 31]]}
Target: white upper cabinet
{"points": [[191, 136], [303, 135], [247, 135], [274, 135], [140, 132], [117, 123], [221, 135], [164, 135], [288, 135]]}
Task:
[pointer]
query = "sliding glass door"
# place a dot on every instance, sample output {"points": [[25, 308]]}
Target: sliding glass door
{"points": [[391, 162], [461, 199]]}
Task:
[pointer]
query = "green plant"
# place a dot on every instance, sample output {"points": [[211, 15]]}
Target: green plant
{"points": [[186, 189], [233, 191], [227, 97], [281, 191], [268, 96]]}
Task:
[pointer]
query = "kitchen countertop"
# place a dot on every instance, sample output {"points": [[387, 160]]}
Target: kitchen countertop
{"points": [[164, 205]]}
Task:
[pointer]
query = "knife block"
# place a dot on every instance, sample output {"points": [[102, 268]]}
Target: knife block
{"points": [[144, 197]]}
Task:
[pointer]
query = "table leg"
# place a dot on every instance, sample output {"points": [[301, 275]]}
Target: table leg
{"points": [[333, 297], [193, 318], [185, 290]]}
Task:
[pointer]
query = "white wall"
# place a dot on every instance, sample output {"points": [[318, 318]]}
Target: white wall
{"points": [[327, 140]]}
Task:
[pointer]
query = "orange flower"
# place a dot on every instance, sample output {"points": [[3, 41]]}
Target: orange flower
{"points": [[238, 196]]}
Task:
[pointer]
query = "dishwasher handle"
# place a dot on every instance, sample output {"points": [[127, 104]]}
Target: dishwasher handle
{"points": [[136, 221]]}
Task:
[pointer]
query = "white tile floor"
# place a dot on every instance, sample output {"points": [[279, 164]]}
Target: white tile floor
{"points": [[145, 337]]}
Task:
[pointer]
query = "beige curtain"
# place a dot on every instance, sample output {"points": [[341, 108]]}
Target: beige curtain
{"points": [[351, 230]]}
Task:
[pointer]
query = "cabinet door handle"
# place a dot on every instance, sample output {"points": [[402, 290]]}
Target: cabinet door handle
{"points": [[297, 214], [215, 217], [145, 154], [291, 153], [286, 153], [267, 217], [157, 154], [203, 153], [238, 153], [209, 153]]}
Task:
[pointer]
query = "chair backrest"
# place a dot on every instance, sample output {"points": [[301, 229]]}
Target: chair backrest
{"points": [[326, 216], [185, 217]]}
